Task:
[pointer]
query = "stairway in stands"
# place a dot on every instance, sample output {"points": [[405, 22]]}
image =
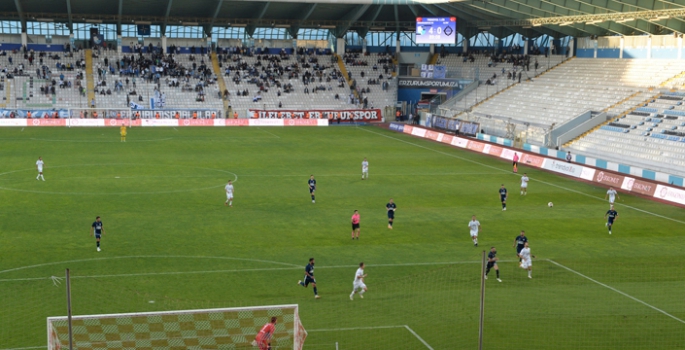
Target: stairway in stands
{"points": [[219, 80], [90, 83]]}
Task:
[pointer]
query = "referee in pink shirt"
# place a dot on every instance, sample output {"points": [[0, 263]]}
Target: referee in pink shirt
{"points": [[355, 224]]}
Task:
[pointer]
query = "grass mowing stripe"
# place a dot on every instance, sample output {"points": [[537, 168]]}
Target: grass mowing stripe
{"points": [[616, 290], [540, 181]]}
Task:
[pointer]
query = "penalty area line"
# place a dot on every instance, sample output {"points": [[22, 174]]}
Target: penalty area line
{"points": [[616, 290], [418, 337], [372, 328]]}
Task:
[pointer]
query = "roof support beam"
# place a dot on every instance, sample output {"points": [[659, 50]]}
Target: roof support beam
{"points": [[162, 28], [498, 7], [70, 23], [208, 28], [349, 19], [309, 11], [413, 10], [21, 16], [121, 11], [573, 7], [262, 12], [397, 23], [295, 28]]}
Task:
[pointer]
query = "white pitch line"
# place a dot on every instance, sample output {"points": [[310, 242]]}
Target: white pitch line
{"points": [[269, 132], [617, 291], [508, 172], [418, 337], [30, 347], [293, 267], [355, 174], [147, 257], [351, 329]]}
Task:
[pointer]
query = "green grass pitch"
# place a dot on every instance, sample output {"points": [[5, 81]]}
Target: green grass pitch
{"points": [[171, 244]]}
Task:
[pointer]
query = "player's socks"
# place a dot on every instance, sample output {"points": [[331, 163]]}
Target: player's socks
{"points": [[360, 293], [315, 292], [300, 283], [529, 274], [497, 273], [487, 271]]}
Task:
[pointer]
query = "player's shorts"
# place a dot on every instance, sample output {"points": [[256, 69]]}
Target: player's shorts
{"points": [[524, 185], [365, 171], [610, 222], [492, 264], [355, 226], [311, 190], [229, 196], [308, 280], [40, 170], [612, 200], [97, 236], [515, 162], [526, 263], [518, 251], [503, 198], [391, 214], [358, 285], [474, 234]]}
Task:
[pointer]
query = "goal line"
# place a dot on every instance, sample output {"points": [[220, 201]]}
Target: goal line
{"points": [[416, 335]]}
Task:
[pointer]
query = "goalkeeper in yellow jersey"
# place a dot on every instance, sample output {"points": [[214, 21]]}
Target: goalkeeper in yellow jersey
{"points": [[122, 132]]}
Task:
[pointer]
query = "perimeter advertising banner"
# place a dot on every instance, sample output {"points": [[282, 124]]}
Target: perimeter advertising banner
{"points": [[599, 176], [360, 115]]}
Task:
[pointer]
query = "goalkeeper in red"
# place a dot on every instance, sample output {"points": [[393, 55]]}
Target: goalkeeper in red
{"points": [[263, 338]]}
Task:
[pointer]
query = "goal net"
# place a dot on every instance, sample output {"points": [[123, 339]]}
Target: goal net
{"points": [[226, 328]]}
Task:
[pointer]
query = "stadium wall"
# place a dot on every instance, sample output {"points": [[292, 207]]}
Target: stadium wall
{"points": [[583, 168]]}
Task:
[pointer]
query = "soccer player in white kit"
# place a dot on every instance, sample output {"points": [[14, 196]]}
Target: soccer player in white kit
{"points": [[359, 282], [526, 259], [365, 169], [524, 184], [39, 167], [229, 193], [612, 194], [474, 227]]}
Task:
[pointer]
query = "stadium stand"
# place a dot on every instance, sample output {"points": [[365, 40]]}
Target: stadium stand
{"points": [[42, 79], [288, 81], [494, 76], [652, 135], [172, 80], [373, 72], [573, 87]]}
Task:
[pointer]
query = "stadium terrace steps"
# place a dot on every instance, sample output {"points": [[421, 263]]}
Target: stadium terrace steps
{"points": [[653, 140], [629, 98], [501, 84], [378, 98], [673, 81], [572, 88], [434, 59], [343, 70], [90, 83], [219, 79]]}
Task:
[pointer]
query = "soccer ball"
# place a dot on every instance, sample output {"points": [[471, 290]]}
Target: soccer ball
{"points": [[550, 204]]}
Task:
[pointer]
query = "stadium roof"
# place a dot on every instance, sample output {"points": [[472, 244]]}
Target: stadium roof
{"points": [[501, 18]]}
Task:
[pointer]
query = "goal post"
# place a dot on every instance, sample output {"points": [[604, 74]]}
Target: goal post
{"points": [[223, 328]]}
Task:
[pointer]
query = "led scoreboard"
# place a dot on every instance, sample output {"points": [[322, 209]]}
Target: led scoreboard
{"points": [[436, 30]]}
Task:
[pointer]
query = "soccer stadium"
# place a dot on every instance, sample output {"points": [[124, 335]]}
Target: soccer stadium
{"points": [[342, 174]]}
